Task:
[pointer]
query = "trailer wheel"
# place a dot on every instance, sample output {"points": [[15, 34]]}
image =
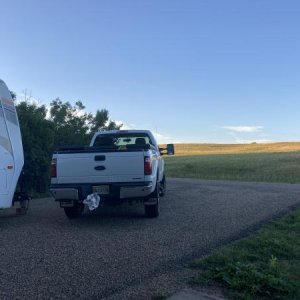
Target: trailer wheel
{"points": [[152, 210], [75, 211]]}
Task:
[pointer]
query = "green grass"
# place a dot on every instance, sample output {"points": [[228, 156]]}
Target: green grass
{"points": [[265, 265], [264, 167]]}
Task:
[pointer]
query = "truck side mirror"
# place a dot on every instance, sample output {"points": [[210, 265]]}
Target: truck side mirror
{"points": [[170, 149]]}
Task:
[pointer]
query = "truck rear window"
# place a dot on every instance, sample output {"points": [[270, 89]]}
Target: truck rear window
{"points": [[123, 141]]}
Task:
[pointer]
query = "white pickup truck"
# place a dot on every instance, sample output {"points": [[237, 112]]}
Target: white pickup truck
{"points": [[119, 165]]}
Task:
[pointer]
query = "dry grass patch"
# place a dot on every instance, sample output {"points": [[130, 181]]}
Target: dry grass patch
{"points": [[202, 149]]}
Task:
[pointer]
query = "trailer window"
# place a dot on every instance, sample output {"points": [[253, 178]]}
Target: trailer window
{"points": [[4, 137], [11, 116]]}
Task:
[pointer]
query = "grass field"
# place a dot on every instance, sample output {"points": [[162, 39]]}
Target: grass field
{"points": [[265, 265], [264, 167], [201, 149], [256, 162]]}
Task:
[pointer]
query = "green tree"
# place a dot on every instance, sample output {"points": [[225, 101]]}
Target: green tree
{"points": [[45, 130], [71, 123], [13, 95], [73, 126], [37, 136], [101, 121]]}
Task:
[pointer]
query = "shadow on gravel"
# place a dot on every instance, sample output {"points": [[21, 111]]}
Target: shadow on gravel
{"points": [[10, 215], [120, 211], [106, 217], [117, 217]]}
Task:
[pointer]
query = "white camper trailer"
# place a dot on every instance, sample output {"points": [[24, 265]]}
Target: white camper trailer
{"points": [[11, 149]]}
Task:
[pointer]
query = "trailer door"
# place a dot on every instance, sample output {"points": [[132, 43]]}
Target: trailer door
{"points": [[6, 156], [11, 149]]}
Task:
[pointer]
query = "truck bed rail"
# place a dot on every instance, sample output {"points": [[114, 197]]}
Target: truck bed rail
{"points": [[88, 149]]}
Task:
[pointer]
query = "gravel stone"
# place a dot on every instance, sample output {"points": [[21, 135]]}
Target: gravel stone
{"points": [[117, 253]]}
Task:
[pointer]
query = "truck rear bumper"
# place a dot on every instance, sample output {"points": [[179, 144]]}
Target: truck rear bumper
{"points": [[65, 193], [135, 191], [124, 190]]}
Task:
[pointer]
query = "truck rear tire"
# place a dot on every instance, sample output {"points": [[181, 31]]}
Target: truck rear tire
{"points": [[163, 187], [75, 211], [152, 210]]}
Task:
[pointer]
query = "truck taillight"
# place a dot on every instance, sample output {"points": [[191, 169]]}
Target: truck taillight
{"points": [[53, 168], [147, 166]]}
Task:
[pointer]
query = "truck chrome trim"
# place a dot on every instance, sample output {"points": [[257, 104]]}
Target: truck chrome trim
{"points": [[135, 191]]}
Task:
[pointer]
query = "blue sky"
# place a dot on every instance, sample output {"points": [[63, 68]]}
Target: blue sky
{"points": [[192, 71]]}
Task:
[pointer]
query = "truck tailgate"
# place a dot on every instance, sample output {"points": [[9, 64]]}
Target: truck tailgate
{"points": [[100, 167]]}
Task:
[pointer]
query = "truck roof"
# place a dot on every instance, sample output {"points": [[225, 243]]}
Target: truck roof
{"points": [[123, 131]]}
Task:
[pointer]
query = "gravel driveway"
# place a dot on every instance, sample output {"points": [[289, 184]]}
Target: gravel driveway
{"points": [[116, 253]]}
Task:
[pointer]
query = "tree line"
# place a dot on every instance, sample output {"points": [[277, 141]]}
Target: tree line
{"points": [[46, 129]]}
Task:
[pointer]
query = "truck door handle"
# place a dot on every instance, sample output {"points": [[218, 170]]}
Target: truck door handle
{"points": [[99, 168], [99, 157]]}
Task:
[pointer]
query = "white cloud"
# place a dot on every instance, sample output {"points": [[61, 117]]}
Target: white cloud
{"points": [[162, 139], [248, 134], [247, 129], [257, 141], [125, 126]]}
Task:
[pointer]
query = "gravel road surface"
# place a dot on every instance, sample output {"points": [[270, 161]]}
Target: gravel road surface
{"points": [[117, 253]]}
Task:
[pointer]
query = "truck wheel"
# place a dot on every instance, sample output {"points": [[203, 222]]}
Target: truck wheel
{"points": [[152, 210], [75, 211], [163, 186]]}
